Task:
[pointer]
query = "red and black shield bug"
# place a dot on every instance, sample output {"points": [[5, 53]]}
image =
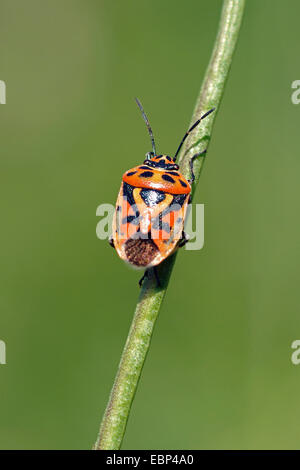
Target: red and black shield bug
{"points": [[148, 223]]}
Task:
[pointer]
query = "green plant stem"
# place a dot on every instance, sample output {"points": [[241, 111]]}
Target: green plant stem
{"points": [[115, 418]]}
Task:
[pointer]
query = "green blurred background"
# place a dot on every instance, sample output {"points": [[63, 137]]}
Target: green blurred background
{"points": [[219, 373]]}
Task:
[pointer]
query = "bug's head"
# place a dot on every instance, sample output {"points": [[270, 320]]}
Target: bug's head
{"points": [[160, 161]]}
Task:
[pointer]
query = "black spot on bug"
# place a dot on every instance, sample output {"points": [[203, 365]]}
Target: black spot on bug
{"points": [[118, 208], [174, 173], [183, 183], [148, 163], [169, 159], [179, 199], [158, 224], [131, 173], [168, 178], [127, 193], [146, 174], [177, 203], [131, 219], [144, 167]]}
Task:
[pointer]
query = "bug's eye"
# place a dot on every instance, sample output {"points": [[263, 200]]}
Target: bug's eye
{"points": [[149, 155]]}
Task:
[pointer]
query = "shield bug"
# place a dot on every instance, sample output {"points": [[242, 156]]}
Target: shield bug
{"points": [[148, 223]]}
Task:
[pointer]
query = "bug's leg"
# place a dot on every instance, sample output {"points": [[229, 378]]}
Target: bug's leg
{"points": [[191, 162], [142, 278], [111, 241], [184, 239], [158, 284]]}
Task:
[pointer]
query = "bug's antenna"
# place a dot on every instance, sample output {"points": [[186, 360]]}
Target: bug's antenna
{"points": [[147, 124], [190, 130]]}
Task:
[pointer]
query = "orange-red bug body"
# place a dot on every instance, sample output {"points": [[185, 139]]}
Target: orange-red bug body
{"points": [[151, 207], [150, 211]]}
